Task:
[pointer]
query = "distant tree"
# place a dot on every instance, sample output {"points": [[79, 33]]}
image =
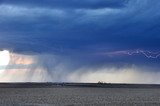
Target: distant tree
{"points": [[101, 82]]}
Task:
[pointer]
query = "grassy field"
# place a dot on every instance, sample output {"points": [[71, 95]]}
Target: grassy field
{"points": [[79, 96]]}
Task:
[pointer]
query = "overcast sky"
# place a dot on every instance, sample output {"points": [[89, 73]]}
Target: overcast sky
{"points": [[84, 32]]}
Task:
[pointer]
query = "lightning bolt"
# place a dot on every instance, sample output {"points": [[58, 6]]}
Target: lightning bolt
{"points": [[146, 53]]}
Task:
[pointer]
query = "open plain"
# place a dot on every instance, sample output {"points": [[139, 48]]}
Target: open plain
{"points": [[76, 95]]}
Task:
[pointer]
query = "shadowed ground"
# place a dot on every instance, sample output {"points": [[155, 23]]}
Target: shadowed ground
{"points": [[79, 96]]}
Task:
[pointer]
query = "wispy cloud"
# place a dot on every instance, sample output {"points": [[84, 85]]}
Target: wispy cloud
{"points": [[26, 12]]}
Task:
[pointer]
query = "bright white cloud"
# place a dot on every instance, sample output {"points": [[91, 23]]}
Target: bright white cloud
{"points": [[22, 68], [4, 60]]}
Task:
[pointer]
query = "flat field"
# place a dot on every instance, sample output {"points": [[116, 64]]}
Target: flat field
{"points": [[79, 96]]}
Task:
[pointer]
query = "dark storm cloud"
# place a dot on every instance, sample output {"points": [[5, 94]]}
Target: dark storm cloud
{"points": [[81, 40], [74, 26], [71, 4]]}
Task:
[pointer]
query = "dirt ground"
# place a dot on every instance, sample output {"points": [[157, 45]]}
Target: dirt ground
{"points": [[78, 96]]}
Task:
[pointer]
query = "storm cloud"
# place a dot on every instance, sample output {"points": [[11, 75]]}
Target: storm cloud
{"points": [[72, 4], [85, 33], [53, 26]]}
